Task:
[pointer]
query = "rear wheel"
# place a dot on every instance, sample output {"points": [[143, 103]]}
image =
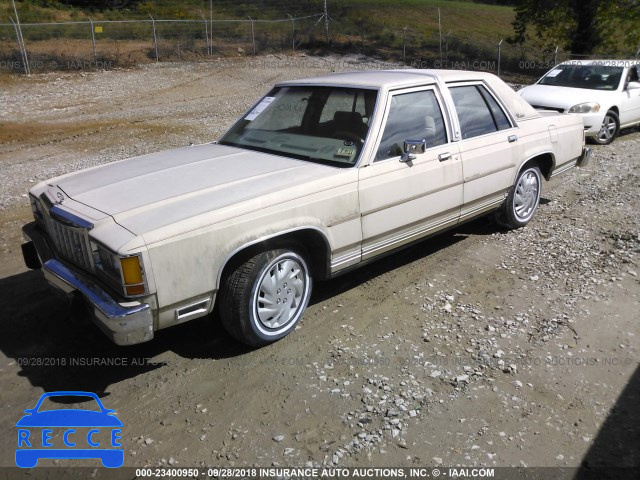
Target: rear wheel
{"points": [[609, 129], [263, 299], [522, 201]]}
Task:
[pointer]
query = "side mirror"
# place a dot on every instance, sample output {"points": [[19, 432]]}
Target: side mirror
{"points": [[633, 85], [411, 147]]}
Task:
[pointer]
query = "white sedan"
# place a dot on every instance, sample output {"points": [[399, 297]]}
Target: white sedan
{"points": [[606, 93], [320, 176]]}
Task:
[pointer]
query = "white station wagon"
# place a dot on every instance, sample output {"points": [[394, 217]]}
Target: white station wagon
{"points": [[320, 176]]}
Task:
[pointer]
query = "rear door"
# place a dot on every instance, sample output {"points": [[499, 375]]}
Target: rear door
{"points": [[488, 146]]}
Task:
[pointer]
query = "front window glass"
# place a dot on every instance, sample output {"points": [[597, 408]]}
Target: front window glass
{"points": [[321, 124], [594, 77], [412, 116]]}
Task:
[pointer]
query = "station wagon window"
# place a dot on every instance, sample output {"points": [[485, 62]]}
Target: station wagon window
{"points": [[412, 116], [478, 111], [315, 123]]}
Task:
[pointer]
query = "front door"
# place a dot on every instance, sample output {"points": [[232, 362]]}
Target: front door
{"points": [[630, 104], [404, 201]]}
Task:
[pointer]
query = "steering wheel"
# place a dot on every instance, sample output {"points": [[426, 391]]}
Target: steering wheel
{"points": [[345, 135]]}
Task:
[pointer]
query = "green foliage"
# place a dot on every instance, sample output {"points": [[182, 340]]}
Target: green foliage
{"points": [[619, 23], [580, 26]]}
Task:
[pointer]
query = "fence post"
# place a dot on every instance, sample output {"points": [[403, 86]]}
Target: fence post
{"points": [[93, 39], [293, 32], [404, 49], [326, 21], [637, 52], [446, 46], [155, 39], [23, 52], [253, 37], [211, 20], [440, 34], [206, 35], [499, 47], [23, 48], [555, 56]]}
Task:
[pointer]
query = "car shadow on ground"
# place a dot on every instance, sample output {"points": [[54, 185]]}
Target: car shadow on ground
{"points": [[57, 348], [615, 452], [394, 260]]}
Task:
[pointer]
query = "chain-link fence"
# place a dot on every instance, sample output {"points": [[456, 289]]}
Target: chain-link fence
{"points": [[414, 48], [107, 44]]}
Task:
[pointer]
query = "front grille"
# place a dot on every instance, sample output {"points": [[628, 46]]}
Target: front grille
{"points": [[541, 107], [71, 243]]}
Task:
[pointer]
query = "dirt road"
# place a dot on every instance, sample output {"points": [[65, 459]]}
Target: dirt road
{"points": [[479, 347]]}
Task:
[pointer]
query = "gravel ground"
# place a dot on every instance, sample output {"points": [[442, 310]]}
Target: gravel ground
{"points": [[479, 347]]}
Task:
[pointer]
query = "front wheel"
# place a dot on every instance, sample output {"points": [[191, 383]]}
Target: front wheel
{"points": [[522, 201], [609, 129], [263, 299]]}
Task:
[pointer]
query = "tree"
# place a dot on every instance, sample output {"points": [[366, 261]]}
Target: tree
{"points": [[619, 24], [582, 26], [552, 22]]}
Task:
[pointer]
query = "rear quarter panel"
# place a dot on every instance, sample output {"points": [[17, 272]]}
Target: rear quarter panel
{"points": [[561, 135]]}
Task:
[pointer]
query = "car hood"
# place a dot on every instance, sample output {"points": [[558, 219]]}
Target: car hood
{"points": [[562, 97], [69, 418], [155, 190]]}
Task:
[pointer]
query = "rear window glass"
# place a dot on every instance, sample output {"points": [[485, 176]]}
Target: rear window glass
{"points": [[478, 112]]}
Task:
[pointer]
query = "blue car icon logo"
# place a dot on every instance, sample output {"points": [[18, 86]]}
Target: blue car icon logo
{"points": [[69, 433]]}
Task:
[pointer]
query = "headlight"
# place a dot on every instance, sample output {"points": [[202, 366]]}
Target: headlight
{"points": [[585, 108], [124, 272]]}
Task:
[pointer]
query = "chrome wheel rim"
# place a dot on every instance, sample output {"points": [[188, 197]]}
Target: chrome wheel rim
{"points": [[608, 129], [281, 292], [525, 199]]}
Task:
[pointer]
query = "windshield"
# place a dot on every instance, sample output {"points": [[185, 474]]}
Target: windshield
{"points": [[593, 77], [321, 124]]}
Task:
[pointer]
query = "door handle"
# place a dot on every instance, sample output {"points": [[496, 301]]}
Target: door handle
{"points": [[444, 156], [513, 138]]}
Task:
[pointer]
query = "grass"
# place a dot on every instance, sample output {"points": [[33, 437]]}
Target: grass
{"points": [[391, 30], [464, 19]]}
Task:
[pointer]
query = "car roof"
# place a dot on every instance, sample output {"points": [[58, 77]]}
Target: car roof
{"points": [[392, 79], [389, 78]]}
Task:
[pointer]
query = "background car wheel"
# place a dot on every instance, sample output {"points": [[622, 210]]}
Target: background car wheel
{"points": [[522, 201], [609, 129], [263, 299]]}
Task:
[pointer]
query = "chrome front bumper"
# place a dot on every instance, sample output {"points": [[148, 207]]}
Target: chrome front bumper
{"points": [[125, 322]]}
